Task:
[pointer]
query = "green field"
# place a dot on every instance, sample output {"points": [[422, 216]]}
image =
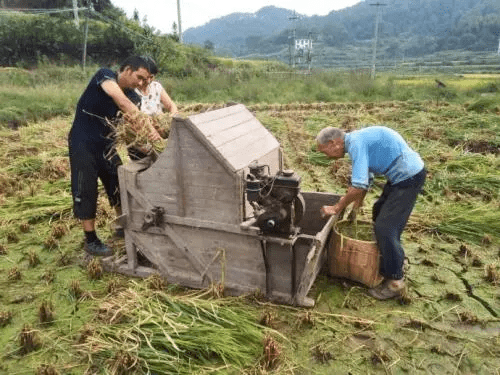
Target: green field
{"points": [[59, 315]]}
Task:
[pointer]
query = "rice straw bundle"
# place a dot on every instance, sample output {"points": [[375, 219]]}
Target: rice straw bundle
{"points": [[134, 130], [173, 334], [162, 124]]}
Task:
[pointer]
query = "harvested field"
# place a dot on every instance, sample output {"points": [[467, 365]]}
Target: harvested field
{"points": [[60, 315]]}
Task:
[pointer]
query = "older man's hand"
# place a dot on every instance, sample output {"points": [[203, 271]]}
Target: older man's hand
{"points": [[328, 211]]}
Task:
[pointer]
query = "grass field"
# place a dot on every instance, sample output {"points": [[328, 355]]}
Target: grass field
{"points": [[61, 316]]}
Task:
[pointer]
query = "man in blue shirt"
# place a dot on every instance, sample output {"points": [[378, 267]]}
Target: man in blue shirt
{"points": [[378, 150], [91, 142]]}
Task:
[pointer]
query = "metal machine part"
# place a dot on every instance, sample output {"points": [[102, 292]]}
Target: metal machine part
{"points": [[276, 200]]}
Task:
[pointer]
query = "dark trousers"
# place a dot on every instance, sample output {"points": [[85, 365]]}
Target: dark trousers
{"points": [[88, 164], [390, 215]]}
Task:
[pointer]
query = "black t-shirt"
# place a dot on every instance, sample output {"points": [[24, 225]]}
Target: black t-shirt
{"points": [[94, 107]]}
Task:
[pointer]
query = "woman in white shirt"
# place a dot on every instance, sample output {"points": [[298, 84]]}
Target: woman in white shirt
{"points": [[153, 99], [153, 96]]}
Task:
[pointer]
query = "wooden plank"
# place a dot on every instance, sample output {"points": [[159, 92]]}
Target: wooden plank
{"points": [[219, 206], [194, 223], [124, 198], [279, 258], [242, 256], [242, 252], [236, 150], [215, 125], [197, 134], [179, 167], [155, 196], [146, 245], [243, 157], [235, 132], [259, 137], [167, 176], [166, 158], [196, 161], [197, 180], [140, 271], [122, 181], [131, 250], [314, 261], [191, 254], [170, 260], [205, 178], [202, 212], [217, 115], [302, 246], [213, 193], [137, 195], [196, 212], [137, 212]]}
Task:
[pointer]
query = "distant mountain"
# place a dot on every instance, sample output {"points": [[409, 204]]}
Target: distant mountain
{"points": [[236, 27], [409, 27]]}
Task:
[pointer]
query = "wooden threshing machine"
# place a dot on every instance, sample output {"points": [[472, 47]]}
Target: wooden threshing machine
{"points": [[218, 207]]}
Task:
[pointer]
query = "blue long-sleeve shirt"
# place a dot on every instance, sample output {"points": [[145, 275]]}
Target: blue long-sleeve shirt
{"points": [[378, 150]]}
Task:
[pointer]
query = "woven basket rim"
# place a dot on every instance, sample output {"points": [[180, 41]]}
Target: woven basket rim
{"points": [[335, 229]]}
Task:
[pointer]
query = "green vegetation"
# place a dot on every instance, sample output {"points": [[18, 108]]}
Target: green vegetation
{"points": [[32, 95], [59, 314]]}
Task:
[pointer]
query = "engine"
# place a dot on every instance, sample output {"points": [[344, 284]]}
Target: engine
{"points": [[276, 200]]}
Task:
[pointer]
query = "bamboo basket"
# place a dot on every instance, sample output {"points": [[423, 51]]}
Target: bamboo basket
{"points": [[354, 259]]}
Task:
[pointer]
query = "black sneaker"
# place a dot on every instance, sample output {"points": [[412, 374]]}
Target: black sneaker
{"points": [[97, 248]]}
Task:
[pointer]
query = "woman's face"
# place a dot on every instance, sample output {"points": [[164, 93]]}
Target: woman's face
{"points": [[147, 81]]}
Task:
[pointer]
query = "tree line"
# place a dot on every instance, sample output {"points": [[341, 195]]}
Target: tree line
{"points": [[26, 39]]}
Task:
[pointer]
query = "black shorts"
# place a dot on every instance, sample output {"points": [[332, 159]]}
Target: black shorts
{"points": [[88, 163]]}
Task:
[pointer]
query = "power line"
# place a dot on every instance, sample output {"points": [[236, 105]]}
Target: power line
{"points": [[120, 25]]}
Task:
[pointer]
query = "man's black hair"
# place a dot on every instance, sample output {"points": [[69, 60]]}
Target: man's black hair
{"points": [[135, 63], [153, 68]]}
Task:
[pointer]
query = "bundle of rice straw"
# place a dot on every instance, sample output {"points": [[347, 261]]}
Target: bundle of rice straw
{"points": [[168, 334], [134, 130]]}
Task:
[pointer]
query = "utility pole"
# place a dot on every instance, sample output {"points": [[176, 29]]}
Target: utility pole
{"points": [[75, 12], [85, 37], [309, 51], [498, 53], [377, 4], [179, 19], [292, 18]]}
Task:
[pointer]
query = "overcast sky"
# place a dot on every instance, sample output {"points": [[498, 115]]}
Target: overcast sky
{"points": [[161, 14]]}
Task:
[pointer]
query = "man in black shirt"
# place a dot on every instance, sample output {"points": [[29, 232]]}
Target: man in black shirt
{"points": [[90, 142]]}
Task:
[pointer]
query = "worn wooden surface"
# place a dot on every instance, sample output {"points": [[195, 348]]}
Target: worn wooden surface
{"points": [[240, 261], [199, 183], [235, 134]]}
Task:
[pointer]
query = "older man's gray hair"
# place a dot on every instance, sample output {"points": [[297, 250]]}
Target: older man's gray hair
{"points": [[329, 134]]}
